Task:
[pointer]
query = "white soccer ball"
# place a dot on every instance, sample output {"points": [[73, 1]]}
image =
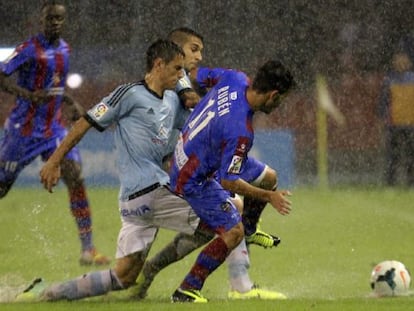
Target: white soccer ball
{"points": [[390, 278]]}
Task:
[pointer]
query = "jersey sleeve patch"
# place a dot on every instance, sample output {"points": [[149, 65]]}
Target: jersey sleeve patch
{"points": [[99, 110], [235, 165], [238, 156]]}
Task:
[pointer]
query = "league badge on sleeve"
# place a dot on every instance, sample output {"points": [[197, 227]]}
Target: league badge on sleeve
{"points": [[99, 110], [235, 165]]}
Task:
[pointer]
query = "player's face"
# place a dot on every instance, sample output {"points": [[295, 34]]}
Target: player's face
{"points": [[193, 49], [52, 20], [172, 72]]}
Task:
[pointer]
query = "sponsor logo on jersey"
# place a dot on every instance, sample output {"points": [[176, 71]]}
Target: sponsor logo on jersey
{"points": [[133, 212], [99, 110]]}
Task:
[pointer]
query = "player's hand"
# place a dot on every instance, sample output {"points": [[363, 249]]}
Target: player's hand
{"points": [[39, 97], [280, 201], [49, 175], [189, 98]]}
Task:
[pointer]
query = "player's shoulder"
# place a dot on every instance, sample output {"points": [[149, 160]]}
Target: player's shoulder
{"points": [[63, 44], [122, 92], [129, 87], [235, 78], [171, 95], [27, 44]]}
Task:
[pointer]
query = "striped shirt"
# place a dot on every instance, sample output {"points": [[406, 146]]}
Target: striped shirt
{"points": [[40, 66]]}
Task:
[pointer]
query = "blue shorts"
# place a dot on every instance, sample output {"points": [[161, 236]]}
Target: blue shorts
{"points": [[213, 205], [16, 152]]}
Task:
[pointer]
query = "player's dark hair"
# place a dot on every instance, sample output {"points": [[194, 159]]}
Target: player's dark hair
{"points": [[273, 76], [46, 3], [180, 35], [164, 49]]}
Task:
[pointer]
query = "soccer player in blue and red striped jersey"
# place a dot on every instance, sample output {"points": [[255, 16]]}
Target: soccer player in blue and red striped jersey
{"points": [[217, 138], [34, 127]]}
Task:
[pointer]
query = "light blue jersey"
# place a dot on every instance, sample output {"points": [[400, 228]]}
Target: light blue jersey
{"points": [[143, 126]]}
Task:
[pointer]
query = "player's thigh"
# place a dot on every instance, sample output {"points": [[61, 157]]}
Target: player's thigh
{"points": [[215, 208], [136, 236], [173, 212], [16, 152]]}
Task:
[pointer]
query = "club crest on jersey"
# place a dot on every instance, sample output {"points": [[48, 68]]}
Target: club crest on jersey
{"points": [[235, 165], [56, 78], [241, 148], [99, 110]]}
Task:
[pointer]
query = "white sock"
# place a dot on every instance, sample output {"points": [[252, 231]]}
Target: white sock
{"points": [[88, 285], [238, 264]]}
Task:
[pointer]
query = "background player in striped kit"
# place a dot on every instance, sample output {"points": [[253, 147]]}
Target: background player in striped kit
{"points": [[34, 126]]}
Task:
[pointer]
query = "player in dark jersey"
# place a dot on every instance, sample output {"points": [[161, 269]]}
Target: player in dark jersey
{"points": [[34, 126], [217, 138]]}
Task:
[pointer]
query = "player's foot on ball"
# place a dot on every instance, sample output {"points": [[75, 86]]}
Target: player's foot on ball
{"points": [[143, 282], [33, 292], [188, 295], [93, 257], [256, 293], [263, 239]]}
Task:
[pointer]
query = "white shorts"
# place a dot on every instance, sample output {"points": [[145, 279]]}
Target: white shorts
{"points": [[143, 216]]}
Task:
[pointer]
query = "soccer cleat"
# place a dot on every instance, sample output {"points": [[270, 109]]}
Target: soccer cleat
{"points": [[188, 295], [263, 239], [33, 292], [257, 293], [92, 257], [143, 282]]}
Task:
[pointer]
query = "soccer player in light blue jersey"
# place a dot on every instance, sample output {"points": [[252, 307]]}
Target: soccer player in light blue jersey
{"points": [[145, 115], [217, 138], [241, 286], [34, 127]]}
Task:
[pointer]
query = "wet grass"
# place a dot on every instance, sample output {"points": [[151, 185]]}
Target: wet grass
{"points": [[330, 243]]}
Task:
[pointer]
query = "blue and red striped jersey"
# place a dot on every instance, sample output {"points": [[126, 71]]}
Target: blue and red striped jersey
{"points": [[216, 137], [40, 65]]}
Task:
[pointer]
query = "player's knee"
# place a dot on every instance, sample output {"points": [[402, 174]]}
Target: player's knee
{"points": [[127, 269], [71, 174], [186, 243], [234, 236], [270, 179]]}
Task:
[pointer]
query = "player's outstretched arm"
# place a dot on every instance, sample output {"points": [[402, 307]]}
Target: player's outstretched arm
{"points": [[11, 87], [278, 199], [50, 172]]}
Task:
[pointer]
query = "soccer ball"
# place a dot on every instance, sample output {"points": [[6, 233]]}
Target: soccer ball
{"points": [[390, 278]]}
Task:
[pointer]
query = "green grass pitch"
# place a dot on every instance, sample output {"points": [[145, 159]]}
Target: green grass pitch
{"points": [[330, 243]]}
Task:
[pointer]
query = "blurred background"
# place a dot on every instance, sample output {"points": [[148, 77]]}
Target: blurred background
{"points": [[350, 43]]}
